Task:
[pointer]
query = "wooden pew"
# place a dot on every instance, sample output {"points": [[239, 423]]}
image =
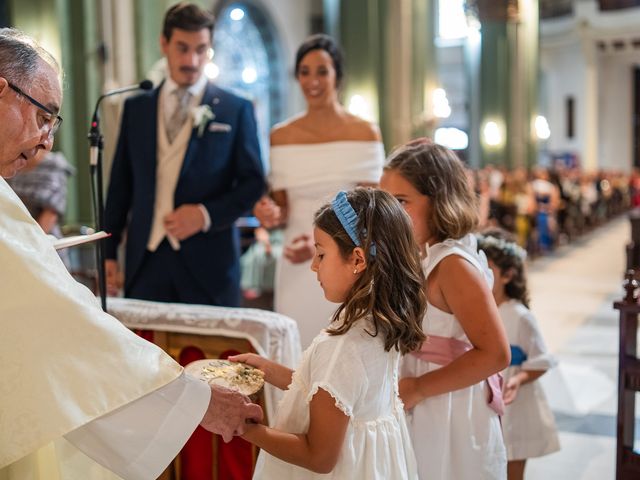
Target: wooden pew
{"points": [[627, 460]]}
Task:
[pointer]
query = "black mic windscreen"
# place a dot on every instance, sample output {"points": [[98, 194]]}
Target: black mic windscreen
{"points": [[146, 85]]}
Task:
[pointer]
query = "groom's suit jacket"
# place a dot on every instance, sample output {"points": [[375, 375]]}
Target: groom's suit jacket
{"points": [[221, 170]]}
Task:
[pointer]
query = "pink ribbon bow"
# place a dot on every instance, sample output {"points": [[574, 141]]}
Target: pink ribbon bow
{"points": [[444, 350]]}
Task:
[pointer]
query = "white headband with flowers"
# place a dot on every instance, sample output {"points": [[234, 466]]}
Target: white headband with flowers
{"points": [[510, 248]]}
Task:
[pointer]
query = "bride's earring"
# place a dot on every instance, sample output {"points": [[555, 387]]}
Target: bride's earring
{"points": [[355, 271]]}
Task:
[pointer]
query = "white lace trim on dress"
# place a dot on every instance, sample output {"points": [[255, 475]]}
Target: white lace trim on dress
{"points": [[348, 411]]}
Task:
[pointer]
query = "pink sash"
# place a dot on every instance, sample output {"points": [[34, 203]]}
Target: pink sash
{"points": [[443, 350]]}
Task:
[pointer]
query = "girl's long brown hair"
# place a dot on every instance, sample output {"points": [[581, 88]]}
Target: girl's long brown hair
{"points": [[437, 172], [390, 289]]}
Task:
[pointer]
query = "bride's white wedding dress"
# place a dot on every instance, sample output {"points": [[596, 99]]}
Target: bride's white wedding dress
{"points": [[312, 174]]}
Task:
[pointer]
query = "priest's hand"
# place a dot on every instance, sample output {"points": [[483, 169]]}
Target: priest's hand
{"points": [[228, 413], [184, 221]]}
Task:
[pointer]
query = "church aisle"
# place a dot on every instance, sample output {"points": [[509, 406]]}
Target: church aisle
{"points": [[572, 294]]}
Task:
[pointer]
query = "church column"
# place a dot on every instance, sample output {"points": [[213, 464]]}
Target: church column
{"points": [[424, 69], [362, 34], [82, 64], [505, 77], [67, 26], [591, 97], [148, 15], [390, 59], [411, 70]]}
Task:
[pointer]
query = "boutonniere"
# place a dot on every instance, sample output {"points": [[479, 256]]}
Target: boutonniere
{"points": [[202, 114]]}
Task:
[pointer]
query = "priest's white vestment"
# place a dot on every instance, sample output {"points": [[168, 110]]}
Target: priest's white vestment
{"points": [[72, 378]]}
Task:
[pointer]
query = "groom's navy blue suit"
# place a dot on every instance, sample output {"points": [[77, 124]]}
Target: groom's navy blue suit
{"points": [[221, 170]]}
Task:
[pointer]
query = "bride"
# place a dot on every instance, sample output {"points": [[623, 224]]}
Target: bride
{"points": [[314, 155]]}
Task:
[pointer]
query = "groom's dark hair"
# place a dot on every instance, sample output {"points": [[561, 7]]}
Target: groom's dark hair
{"points": [[187, 16]]}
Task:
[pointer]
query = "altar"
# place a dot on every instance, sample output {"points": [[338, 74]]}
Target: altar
{"points": [[192, 332]]}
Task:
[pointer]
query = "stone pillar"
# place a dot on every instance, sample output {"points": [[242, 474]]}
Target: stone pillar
{"points": [[148, 16], [424, 71], [390, 60], [592, 94], [505, 77], [67, 28], [362, 35]]}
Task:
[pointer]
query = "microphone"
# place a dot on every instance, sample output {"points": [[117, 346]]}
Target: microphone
{"points": [[93, 151], [143, 85]]}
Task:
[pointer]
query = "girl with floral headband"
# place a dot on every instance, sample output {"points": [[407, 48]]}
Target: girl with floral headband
{"points": [[341, 414], [449, 384], [528, 425]]}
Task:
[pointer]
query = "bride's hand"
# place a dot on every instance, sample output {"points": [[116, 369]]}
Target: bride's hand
{"points": [[268, 213], [300, 250]]}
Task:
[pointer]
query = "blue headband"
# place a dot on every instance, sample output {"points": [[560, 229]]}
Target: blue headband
{"points": [[349, 219]]}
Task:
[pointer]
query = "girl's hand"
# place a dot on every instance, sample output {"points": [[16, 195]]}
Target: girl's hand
{"points": [[253, 360], [277, 375], [409, 392], [300, 250], [250, 430], [510, 389]]}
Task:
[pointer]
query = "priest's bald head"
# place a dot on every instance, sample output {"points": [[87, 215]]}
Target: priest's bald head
{"points": [[30, 98]]}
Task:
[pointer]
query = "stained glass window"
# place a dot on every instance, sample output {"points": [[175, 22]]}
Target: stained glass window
{"points": [[245, 61], [452, 21]]}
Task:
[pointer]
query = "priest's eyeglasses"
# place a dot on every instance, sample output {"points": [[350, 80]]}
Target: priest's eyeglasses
{"points": [[46, 118]]}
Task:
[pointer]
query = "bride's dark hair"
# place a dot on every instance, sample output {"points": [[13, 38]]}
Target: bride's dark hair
{"points": [[390, 290], [324, 42]]}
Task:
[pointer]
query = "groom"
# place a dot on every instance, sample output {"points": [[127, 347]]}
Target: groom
{"points": [[187, 165]]}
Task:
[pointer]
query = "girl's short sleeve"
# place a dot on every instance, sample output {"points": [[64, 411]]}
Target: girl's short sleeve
{"points": [[337, 368], [531, 341]]}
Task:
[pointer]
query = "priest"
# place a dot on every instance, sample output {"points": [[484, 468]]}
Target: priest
{"points": [[80, 395]]}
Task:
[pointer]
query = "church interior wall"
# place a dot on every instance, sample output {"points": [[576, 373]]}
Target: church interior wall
{"points": [[564, 70], [616, 110], [590, 57]]}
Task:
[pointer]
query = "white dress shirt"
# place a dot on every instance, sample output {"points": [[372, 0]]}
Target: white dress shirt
{"points": [[170, 157]]}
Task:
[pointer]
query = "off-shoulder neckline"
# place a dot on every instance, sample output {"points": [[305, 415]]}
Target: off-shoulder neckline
{"points": [[334, 142]]}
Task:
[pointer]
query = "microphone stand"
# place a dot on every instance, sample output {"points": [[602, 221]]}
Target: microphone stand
{"points": [[96, 146]]}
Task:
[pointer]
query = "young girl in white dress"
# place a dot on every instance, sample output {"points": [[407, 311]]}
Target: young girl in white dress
{"points": [[341, 416], [528, 424], [449, 385]]}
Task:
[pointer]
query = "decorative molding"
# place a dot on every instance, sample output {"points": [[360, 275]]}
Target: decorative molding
{"points": [[495, 10]]}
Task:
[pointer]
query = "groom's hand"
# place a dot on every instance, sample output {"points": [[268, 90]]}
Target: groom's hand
{"points": [[184, 221], [228, 413]]}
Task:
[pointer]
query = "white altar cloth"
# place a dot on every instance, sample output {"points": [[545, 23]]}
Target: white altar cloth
{"points": [[272, 335]]}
